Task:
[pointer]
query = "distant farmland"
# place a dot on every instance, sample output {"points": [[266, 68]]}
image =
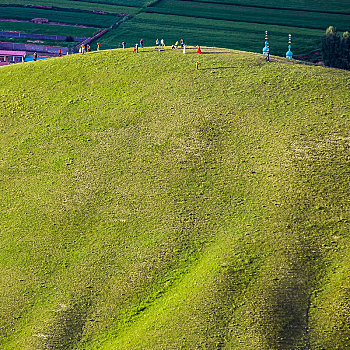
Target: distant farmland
{"points": [[111, 7], [62, 16], [223, 23], [210, 32], [35, 28], [70, 18], [238, 25]]}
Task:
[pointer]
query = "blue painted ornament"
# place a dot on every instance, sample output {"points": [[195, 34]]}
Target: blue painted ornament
{"points": [[289, 53]]}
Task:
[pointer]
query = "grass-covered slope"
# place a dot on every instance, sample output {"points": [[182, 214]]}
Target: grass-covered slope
{"points": [[147, 205]]}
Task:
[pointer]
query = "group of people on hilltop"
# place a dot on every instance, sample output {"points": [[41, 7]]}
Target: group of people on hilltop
{"points": [[159, 44], [84, 48]]}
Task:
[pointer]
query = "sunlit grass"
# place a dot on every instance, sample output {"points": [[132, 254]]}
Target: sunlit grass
{"points": [[144, 204]]}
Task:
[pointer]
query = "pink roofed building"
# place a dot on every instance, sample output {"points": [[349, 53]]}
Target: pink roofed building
{"points": [[10, 57]]}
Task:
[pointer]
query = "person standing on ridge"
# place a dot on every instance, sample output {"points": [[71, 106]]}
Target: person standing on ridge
{"points": [[98, 46], [182, 43], [162, 42], [141, 43], [157, 43], [123, 44], [35, 56]]}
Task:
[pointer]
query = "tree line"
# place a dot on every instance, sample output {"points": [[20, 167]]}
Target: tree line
{"points": [[336, 49]]}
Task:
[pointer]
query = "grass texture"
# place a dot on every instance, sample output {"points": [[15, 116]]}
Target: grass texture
{"points": [[147, 205]]}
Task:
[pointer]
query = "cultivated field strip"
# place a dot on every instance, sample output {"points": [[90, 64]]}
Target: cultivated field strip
{"points": [[322, 6], [70, 17], [262, 15], [108, 6], [35, 28], [139, 3]]}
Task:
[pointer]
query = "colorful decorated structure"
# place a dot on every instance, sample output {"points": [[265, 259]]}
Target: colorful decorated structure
{"points": [[266, 48], [289, 53]]}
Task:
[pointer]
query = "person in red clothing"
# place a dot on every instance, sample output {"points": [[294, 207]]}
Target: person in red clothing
{"points": [[98, 46], [199, 49]]}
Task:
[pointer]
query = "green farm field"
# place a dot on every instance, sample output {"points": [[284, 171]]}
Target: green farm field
{"points": [[218, 33], [227, 24], [73, 13], [281, 17], [130, 7], [88, 19], [238, 25], [329, 6], [35, 28], [148, 205]]}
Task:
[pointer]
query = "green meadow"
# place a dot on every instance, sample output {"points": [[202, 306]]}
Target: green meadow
{"points": [[148, 205]]}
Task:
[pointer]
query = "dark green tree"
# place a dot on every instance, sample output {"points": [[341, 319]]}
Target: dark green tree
{"points": [[331, 48], [345, 50]]}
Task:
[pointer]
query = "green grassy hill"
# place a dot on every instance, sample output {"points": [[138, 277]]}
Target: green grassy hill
{"points": [[147, 205]]}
